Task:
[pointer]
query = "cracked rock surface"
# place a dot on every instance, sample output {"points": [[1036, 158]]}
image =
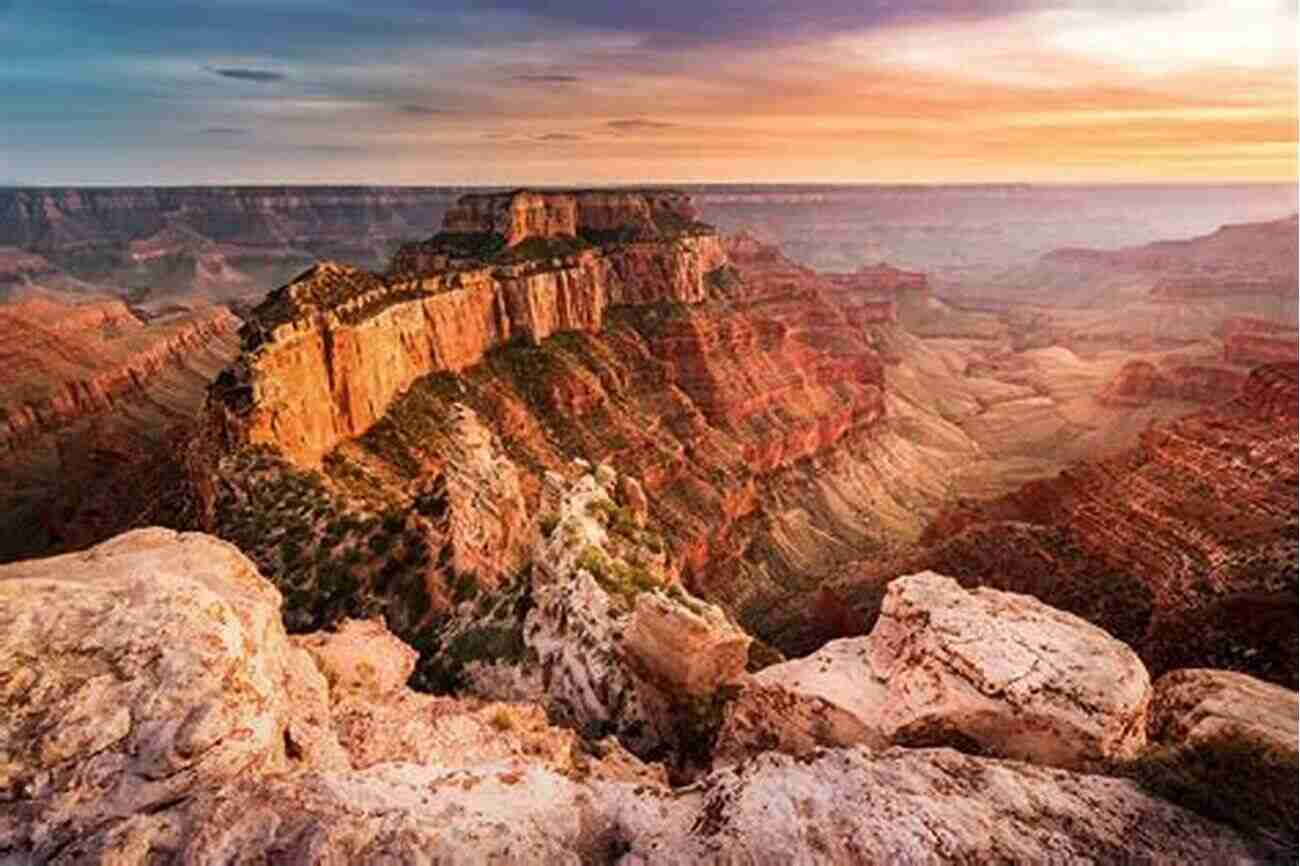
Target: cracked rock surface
{"points": [[985, 671], [154, 713]]}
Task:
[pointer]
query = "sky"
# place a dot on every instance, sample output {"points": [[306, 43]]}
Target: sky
{"points": [[676, 91]]}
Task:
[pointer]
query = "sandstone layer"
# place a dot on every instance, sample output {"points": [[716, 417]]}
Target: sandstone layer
{"points": [[523, 214], [91, 393], [716, 389], [325, 356], [64, 359], [213, 243], [1184, 547]]}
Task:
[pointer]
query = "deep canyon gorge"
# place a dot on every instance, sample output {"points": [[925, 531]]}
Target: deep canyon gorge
{"points": [[562, 526]]}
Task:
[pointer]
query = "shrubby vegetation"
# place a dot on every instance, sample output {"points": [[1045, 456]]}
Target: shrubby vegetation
{"points": [[328, 557]]}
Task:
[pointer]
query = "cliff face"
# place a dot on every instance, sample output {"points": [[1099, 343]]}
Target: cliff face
{"points": [[52, 217], [1140, 382], [218, 243], [1251, 258], [63, 362], [186, 727], [722, 379], [520, 215], [89, 391], [326, 355]]}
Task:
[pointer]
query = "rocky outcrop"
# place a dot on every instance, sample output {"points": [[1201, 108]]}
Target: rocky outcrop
{"points": [[325, 356], [1185, 546], [211, 242], [1212, 730], [996, 672], [1202, 707], [1139, 382], [1250, 258], [1251, 349], [160, 715], [523, 214], [920, 806], [155, 663], [599, 635], [64, 361]]}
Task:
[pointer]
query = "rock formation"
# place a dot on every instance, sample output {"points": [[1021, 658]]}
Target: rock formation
{"points": [[216, 243], [520, 215], [1184, 546], [1251, 258], [64, 360], [707, 375], [985, 670], [598, 633], [91, 393], [1140, 382], [161, 715], [1213, 731], [325, 356]]}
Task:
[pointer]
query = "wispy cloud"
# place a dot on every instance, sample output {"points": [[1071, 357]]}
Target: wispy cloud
{"points": [[223, 130], [638, 124], [243, 73], [546, 78], [415, 108], [558, 136]]}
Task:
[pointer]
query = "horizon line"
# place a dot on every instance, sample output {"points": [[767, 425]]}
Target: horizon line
{"points": [[631, 184]]}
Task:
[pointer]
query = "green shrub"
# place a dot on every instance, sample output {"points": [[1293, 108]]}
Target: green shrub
{"points": [[464, 587], [1244, 784]]}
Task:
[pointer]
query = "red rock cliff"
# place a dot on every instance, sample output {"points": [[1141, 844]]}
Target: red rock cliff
{"points": [[520, 215], [327, 354], [61, 361]]}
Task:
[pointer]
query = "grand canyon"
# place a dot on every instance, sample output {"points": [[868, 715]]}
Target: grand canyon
{"points": [[579, 500], [399, 465]]}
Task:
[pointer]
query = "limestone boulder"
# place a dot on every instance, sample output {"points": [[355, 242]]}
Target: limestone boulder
{"points": [[985, 671], [1198, 705], [506, 813], [1226, 744], [919, 806], [132, 673], [764, 717], [682, 646], [360, 655]]}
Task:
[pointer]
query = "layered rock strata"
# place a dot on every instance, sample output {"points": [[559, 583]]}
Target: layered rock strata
{"points": [[523, 214], [1184, 546], [64, 361], [1140, 382], [325, 356], [599, 633]]}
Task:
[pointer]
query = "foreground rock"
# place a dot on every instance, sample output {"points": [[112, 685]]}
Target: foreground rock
{"points": [[920, 807], [985, 671], [147, 666], [1226, 743], [156, 713]]}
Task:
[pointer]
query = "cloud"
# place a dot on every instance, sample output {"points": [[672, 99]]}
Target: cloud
{"points": [[241, 73], [420, 110], [638, 124], [558, 136], [223, 130], [547, 78]]}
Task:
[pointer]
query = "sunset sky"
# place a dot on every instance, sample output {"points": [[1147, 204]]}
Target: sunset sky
{"points": [[596, 91]]}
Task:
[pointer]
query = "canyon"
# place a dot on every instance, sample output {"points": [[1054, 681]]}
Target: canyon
{"points": [[581, 511]]}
